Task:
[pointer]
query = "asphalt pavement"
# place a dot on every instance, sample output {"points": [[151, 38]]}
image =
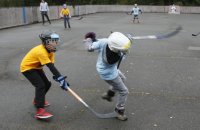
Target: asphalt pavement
{"points": [[163, 76]]}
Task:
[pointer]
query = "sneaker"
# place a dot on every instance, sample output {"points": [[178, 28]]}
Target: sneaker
{"points": [[120, 114], [42, 114], [46, 103], [106, 97]]}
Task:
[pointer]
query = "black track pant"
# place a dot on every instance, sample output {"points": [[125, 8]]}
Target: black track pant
{"points": [[39, 80], [44, 13]]}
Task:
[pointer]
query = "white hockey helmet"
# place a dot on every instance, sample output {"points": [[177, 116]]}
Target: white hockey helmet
{"points": [[135, 5], [119, 42]]}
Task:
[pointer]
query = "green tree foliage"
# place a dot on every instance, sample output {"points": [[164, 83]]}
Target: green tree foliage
{"points": [[198, 2], [18, 3]]}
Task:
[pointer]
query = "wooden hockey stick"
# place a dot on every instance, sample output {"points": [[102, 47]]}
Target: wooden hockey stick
{"points": [[103, 116]]}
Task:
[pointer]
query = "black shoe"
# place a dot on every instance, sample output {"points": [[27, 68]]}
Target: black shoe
{"points": [[106, 97]]}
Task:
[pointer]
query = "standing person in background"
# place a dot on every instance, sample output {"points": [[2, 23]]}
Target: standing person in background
{"points": [[173, 9], [135, 12], [44, 9], [65, 14]]}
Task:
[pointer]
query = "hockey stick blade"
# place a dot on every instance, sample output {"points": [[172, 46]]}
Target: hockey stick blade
{"points": [[128, 13], [196, 34], [102, 116], [80, 18], [178, 29]]}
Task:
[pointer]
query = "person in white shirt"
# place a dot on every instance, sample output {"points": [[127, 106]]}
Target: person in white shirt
{"points": [[135, 12], [173, 9], [44, 9]]}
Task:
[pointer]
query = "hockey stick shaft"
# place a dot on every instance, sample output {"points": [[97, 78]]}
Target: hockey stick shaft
{"points": [[128, 13], [196, 34], [77, 97], [103, 116], [173, 33]]}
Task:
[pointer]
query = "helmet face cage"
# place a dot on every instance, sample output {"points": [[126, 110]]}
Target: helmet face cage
{"points": [[50, 40]]}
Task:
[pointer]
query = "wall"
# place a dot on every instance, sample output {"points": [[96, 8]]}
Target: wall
{"points": [[10, 17]]}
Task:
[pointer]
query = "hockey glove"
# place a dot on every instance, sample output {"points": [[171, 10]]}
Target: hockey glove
{"points": [[61, 79], [88, 44]]}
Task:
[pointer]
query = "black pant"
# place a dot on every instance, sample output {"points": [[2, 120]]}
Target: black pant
{"points": [[44, 13], [39, 80]]}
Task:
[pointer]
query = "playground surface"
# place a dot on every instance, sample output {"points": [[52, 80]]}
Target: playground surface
{"points": [[163, 76]]}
